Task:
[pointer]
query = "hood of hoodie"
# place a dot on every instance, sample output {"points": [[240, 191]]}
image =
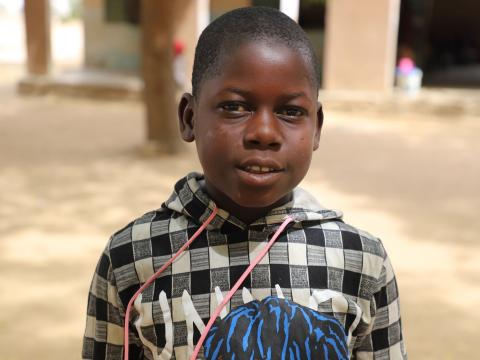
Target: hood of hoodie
{"points": [[190, 199]]}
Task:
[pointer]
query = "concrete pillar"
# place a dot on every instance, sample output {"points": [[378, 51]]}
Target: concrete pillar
{"points": [[157, 24], [360, 44], [191, 17], [290, 8], [37, 32]]}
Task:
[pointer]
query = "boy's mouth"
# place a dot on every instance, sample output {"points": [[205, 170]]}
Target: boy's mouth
{"points": [[255, 169], [259, 172], [260, 166]]}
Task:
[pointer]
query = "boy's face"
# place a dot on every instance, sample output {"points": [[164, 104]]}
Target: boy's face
{"points": [[255, 125]]}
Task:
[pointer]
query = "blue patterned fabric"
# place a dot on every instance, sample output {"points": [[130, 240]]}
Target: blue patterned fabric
{"points": [[276, 328]]}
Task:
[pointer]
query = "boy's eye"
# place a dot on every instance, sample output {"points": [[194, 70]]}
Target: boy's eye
{"points": [[234, 108], [291, 112]]}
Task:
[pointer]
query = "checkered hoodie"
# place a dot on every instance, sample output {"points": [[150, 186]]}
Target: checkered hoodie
{"points": [[318, 261]]}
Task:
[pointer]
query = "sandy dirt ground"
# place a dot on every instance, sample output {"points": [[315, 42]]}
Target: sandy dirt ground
{"points": [[73, 171]]}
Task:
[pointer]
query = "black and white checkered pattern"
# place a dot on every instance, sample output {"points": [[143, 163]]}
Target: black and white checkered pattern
{"points": [[319, 251]]}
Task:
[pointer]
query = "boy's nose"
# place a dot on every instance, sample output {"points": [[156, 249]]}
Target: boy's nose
{"points": [[263, 131]]}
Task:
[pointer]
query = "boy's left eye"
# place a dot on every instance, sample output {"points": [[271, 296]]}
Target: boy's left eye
{"points": [[291, 112]]}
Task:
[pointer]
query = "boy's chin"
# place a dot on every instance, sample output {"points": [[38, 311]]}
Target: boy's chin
{"points": [[244, 200], [259, 203]]}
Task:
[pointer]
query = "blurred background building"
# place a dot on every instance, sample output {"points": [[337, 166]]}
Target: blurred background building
{"points": [[358, 43]]}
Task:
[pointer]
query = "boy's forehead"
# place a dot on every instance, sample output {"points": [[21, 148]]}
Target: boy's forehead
{"points": [[263, 55], [253, 50]]}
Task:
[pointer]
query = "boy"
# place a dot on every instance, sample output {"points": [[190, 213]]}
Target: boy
{"points": [[323, 290]]}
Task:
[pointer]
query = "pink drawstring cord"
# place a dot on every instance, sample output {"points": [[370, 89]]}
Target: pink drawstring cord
{"points": [[237, 285], [157, 274]]}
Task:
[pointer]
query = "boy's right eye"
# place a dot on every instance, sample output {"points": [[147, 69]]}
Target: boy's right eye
{"points": [[234, 108]]}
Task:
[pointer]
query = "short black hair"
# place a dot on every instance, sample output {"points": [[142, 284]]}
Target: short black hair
{"points": [[244, 25]]}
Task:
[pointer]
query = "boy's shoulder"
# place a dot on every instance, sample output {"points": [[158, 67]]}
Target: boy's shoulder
{"points": [[141, 229], [328, 225], [339, 234]]}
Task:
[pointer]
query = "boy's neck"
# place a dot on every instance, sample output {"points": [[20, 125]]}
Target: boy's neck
{"points": [[246, 214]]}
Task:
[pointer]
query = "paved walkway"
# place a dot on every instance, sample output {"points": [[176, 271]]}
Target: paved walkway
{"points": [[73, 171]]}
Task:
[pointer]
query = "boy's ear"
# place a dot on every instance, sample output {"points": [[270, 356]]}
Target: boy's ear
{"points": [[318, 127], [185, 117]]}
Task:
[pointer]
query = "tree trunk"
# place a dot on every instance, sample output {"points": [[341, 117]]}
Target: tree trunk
{"points": [[157, 21], [37, 32]]}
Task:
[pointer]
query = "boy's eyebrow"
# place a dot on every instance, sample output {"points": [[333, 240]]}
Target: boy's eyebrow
{"points": [[295, 95], [246, 93]]}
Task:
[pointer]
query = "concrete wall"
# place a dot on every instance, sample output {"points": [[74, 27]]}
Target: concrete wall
{"points": [[360, 44], [116, 46], [111, 46]]}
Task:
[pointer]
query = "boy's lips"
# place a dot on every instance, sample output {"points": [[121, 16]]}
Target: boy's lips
{"points": [[258, 169], [260, 166], [256, 172]]}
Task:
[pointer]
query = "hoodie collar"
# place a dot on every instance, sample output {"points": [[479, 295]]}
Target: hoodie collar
{"points": [[190, 200]]}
